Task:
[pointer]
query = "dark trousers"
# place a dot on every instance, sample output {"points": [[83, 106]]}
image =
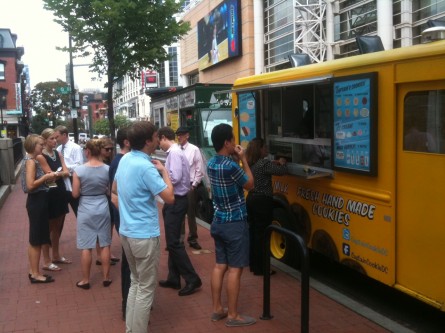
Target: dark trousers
{"points": [[259, 216], [125, 281], [125, 269], [179, 263], [191, 218]]}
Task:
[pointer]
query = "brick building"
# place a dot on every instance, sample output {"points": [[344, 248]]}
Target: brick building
{"points": [[12, 86]]}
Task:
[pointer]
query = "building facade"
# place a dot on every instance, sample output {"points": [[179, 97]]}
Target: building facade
{"points": [[237, 38], [13, 80], [129, 94], [271, 30]]}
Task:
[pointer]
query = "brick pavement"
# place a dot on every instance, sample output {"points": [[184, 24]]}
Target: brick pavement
{"points": [[62, 307]]}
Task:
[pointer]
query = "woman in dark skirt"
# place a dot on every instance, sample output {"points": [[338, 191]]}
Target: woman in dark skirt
{"points": [[52, 161], [34, 183]]}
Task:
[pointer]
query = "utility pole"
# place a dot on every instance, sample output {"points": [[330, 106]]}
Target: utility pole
{"points": [[73, 92]]}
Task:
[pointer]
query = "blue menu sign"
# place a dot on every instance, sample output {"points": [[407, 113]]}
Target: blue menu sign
{"points": [[247, 118], [354, 123]]}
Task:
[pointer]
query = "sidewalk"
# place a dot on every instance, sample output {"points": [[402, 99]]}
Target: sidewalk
{"points": [[61, 307]]}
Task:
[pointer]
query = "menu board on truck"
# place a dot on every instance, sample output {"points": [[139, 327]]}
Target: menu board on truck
{"points": [[355, 119], [247, 118]]}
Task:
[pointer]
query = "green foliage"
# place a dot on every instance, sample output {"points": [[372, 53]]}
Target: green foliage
{"points": [[102, 126], [48, 104], [122, 121], [124, 35], [45, 99], [39, 123]]}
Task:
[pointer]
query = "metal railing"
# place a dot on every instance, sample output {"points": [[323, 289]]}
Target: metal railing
{"points": [[304, 255]]}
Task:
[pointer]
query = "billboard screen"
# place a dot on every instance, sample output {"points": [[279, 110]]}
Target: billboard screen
{"points": [[219, 34]]}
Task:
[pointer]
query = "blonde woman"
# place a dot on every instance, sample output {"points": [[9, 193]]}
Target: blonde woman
{"points": [[52, 161], [34, 180], [90, 183]]}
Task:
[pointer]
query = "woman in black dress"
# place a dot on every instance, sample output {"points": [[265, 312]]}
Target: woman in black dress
{"points": [[52, 161], [34, 181], [259, 200]]}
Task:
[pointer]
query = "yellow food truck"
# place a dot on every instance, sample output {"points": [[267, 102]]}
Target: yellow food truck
{"points": [[364, 138]]}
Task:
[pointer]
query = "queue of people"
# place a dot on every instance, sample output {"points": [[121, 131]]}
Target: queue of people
{"points": [[123, 191]]}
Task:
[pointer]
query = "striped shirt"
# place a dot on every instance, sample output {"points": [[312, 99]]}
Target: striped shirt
{"points": [[227, 180]]}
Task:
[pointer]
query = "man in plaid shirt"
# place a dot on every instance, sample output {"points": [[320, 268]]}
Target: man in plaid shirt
{"points": [[229, 228]]}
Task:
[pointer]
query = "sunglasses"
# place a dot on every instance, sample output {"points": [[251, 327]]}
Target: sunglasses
{"points": [[108, 149]]}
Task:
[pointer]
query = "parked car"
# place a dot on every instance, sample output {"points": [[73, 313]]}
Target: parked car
{"points": [[83, 137]]}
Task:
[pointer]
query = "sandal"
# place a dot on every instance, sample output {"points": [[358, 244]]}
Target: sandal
{"points": [[51, 267], [62, 260]]}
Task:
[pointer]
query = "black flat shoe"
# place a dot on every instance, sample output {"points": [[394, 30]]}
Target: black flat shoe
{"points": [[85, 286], [106, 283], [195, 246], [48, 279]]}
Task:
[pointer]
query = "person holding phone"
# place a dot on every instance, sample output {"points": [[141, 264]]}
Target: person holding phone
{"points": [[52, 161]]}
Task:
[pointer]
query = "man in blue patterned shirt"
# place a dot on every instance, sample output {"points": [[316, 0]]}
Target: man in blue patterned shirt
{"points": [[229, 228]]}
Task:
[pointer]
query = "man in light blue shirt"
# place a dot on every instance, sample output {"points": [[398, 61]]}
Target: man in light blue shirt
{"points": [[179, 263], [137, 181]]}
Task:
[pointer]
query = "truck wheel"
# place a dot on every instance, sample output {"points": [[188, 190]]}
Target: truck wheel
{"points": [[280, 247], [354, 265], [303, 224], [323, 243]]}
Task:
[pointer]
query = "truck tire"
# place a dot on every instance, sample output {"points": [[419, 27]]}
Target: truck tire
{"points": [[303, 223], [281, 248], [323, 243]]}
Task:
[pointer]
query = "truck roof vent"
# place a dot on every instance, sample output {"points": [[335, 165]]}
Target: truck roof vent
{"points": [[369, 44], [299, 59], [435, 31]]}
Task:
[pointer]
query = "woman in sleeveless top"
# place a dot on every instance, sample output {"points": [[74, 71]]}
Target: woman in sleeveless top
{"points": [[52, 160], [90, 183], [34, 181]]}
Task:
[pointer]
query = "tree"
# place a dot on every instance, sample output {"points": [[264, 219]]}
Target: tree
{"points": [[124, 35], [122, 121], [102, 126], [50, 107]]}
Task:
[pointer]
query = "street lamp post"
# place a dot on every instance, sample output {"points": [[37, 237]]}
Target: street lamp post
{"points": [[3, 93]]}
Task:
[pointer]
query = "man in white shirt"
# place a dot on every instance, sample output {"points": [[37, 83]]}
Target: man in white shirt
{"points": [[194, 158], [73, 155]]}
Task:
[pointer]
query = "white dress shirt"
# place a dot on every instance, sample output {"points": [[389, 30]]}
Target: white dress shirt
{"points": [[72, 154], [194, 157]]}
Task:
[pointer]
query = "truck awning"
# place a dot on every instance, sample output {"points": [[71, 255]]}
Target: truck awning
{"points": [[311, 80]]}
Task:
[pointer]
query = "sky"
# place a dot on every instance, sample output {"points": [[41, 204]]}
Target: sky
{"points": [[39, 35]]}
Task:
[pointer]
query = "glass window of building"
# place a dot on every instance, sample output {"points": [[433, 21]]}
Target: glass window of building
{"points": [[279, 33], [173, 66], [162, 75], [2, 71]]}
